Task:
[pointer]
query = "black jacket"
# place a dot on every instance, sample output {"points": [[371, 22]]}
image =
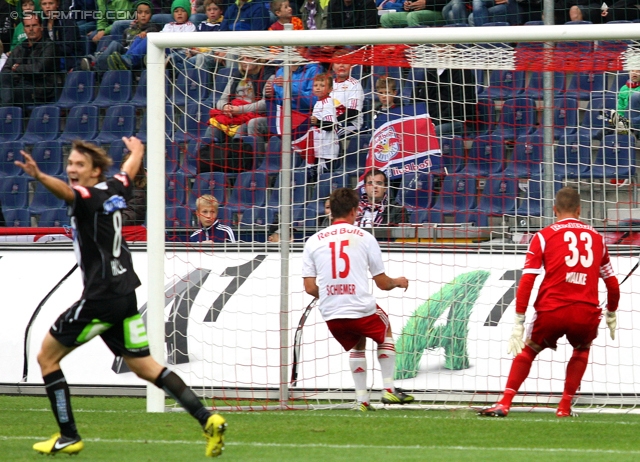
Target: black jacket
{"points": [[449, 96], [361, 14]]}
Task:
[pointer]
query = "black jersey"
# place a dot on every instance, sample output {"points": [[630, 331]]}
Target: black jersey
{"points": [[103, 255]]}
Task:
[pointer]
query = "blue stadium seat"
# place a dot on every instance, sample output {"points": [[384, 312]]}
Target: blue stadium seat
{"points": [[172, 157], [615, 159], [79, 87], [43, 200], [485, 119], [327, 182], [10, 123], [304, 218], [9, 153], [219, 83], [584, 85], [618, 81], [249, 190], [14, 192], [255, 223], [176, 186], [272, 161], [298, 191], [458, 194], [565, 117], [192, 124], [53, 218], [119, 121], [115, 88], [189, 164], [452, 148], [535, 87], [139, 98], [518, 117], [81, 123], [572, 159], [417, 191], [43, 125], [48, 156], [527, 157], [485, 158], [117, 151], [594, 122], [416, 76], [499, 197], [531, 204], [213, 183], [17, 218], [634, 110], [178, 216], [190, 87], [505, 84]]}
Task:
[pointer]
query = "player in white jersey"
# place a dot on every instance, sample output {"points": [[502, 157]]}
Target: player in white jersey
{"points": [[335, 266], [324, 123]]}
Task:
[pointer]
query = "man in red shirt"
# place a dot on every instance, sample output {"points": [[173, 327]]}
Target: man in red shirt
{"points": [[572, 256]]}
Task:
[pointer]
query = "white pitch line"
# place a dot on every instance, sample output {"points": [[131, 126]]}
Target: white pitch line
{"points": [[347, 446]]}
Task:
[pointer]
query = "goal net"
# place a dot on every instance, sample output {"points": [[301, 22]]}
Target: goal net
{"points": [[474, 129]]}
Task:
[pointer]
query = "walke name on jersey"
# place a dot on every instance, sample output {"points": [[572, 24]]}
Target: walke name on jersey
{"points": [[341, 289], [577, 278], [116, 268]]}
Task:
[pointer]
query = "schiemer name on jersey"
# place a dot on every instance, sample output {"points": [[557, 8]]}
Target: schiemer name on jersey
{"points": [[341, 289], [336, 231]]}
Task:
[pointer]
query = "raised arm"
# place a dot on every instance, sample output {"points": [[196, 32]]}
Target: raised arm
{"points": [[59, 188], [132, 164]]}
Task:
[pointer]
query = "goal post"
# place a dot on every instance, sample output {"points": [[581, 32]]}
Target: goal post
{"points": [[474, 282]]}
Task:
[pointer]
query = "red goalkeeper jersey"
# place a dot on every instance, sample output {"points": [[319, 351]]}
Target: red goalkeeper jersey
{"points": [[572, 256]]}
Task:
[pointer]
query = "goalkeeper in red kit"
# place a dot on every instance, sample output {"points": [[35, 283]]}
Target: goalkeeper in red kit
{"points": [[572, 256]]}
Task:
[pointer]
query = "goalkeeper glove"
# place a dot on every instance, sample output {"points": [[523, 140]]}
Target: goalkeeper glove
{"points": [[612, 322], [516, 343]]}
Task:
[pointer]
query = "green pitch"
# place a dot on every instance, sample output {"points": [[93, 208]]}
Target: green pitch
{"points": [[119, 429]]}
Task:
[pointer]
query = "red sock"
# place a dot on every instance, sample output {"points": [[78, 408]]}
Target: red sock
{"points": [[575, 370], [519, 371]]}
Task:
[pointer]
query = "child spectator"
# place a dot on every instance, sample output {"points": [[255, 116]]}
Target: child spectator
{"points": [[108, 12], [324, 122], [386, 93], [180, 9], [201, 58], [283, 11], [211, 229], [632, 85], [130, 53], [349, 93]]}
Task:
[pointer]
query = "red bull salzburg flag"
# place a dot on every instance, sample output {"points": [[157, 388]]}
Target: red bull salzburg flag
{"points": [[404, 145]]}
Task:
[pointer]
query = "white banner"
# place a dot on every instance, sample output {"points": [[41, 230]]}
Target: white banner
{"points": [[233, 340]]}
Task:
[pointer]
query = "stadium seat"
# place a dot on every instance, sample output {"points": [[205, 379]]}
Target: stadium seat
{"points": [[572, 159], [43, 200], [213, 183], [485, 158], [190, 87], [485, 118], [594, 123], [115, 88], [48, 156], [458, 194], [298, 190], [327, 182], [618, 81], [518, 117], [585, 85], [17, 218], [535, 87], [9, 153], [79, 88], [614, 159], [304, 218], [192, 124], [139, 98], [505, 84], [499, 197], [634, 110], [43, 125], [527, 157], [453, 156], [172, 157], [189, 164], [220, 80], [178, 216], [14, 192], [249, 190], [254, 224], [481, 86], [119, 121], [417, 191], [272, 161], [53, 218], [176, 186], [531, 204], [415, 77], [81, 123], [565, 117], [356, 155], [10, 123], [117, 151]]}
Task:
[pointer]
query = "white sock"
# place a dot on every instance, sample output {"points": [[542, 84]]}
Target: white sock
{"points": [[387, 360], [358, 365]]}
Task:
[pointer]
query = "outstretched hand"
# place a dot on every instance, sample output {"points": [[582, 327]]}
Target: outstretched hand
{"points": [[133, 144], [402, 282], [29, 165]]}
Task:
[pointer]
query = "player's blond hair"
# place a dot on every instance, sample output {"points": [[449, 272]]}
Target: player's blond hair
{"points": [[209, 200], [99, 158], [567, 200]]}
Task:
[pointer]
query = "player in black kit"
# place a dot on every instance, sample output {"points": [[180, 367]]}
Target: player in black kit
{"points": [[108, 306]]}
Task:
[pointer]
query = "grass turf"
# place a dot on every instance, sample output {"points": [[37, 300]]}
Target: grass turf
{"points": [[119, 429]]}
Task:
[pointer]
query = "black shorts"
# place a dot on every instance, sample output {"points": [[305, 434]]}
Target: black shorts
{"points": [[116, 320]]}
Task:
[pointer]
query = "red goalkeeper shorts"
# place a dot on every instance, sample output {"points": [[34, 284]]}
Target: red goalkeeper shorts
{"points": [[348, 332], [578, 322]]}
